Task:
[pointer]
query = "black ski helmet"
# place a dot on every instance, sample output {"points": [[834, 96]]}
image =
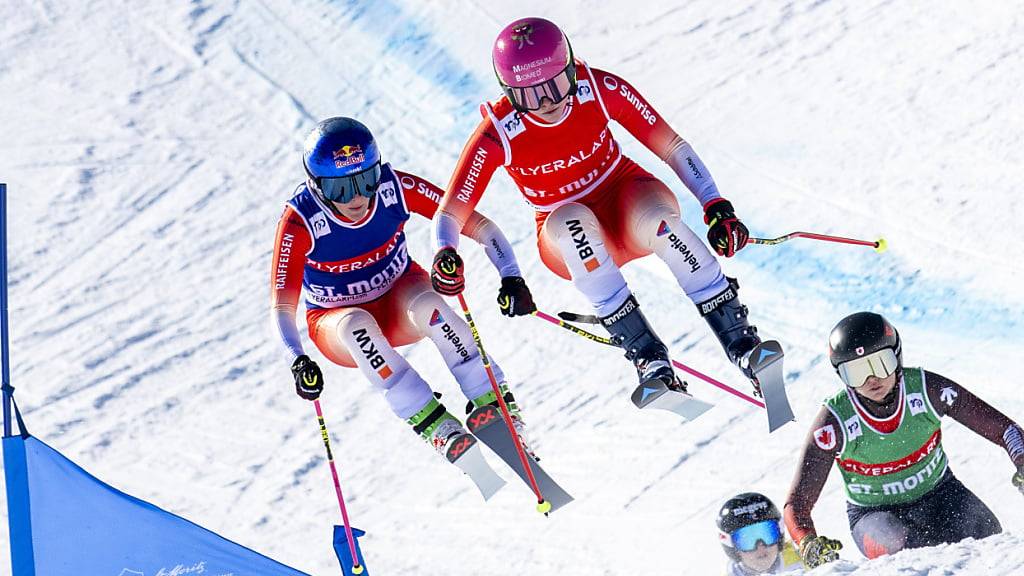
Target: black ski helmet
{"points": [[860, 334], [743, 510]]}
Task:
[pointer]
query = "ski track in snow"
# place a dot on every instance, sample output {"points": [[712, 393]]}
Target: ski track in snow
{"points": [[149, 150]]}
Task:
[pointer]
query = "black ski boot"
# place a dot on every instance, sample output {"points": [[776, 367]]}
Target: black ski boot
{"points": [[728, 319], [630, 330]]}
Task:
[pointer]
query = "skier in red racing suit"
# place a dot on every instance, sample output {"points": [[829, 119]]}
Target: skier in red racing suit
{"points": [[595, 208]]}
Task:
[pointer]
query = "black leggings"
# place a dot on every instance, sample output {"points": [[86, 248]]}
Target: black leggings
{"points": [[949, 513]]}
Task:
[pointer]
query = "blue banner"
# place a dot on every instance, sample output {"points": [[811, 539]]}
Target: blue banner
{"points": [[65, 522], [345, 555]]}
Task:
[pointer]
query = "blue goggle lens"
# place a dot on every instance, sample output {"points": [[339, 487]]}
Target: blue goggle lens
{"points": [[344, 188], [745, 539]]}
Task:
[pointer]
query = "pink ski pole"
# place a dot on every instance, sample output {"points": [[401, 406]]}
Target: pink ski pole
{"points": [[879, 245], [543, 506], [695, 373], [357, 568]]}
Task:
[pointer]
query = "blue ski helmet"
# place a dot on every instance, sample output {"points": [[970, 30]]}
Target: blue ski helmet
{"points": [[341, 160]]}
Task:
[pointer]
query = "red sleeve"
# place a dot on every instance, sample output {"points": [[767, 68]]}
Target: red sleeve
{"points": [[291, 244], [423, 198], [626, 106], [823, 444], [481, 156]]}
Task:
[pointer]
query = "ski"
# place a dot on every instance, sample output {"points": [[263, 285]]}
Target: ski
{"points": [[464, 452], [766, 363], [657, 395], [487, 425]]}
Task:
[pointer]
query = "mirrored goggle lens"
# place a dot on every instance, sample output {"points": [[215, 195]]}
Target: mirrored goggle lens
{"points": [[880, 364], [344, 188], [746, 538], [555, 90]]}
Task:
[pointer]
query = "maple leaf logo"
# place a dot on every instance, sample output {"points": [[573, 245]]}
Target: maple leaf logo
{"points": [[825, 437]]}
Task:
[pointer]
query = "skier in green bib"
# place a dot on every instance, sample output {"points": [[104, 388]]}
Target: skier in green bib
{"points": [[883, 432]]}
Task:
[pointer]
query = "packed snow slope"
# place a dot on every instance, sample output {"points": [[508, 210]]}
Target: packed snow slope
{"points": [[149, 147]]}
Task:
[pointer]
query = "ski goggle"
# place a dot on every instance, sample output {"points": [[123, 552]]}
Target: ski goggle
{"points": [[881, 364], [529, 98], [343, 189], [745, 539]]}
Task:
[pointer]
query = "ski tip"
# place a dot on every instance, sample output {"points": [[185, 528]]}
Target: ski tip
{"points": [[773, 426], [488, 491]]}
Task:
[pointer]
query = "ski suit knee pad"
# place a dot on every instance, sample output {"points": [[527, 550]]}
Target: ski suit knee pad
{"points": [[880, 533], [404, 389], [694, 266], [580, 240], [727, 318], [454, 340]]}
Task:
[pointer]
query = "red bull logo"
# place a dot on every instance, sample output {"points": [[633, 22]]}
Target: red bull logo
{"points": [[348, 155]]}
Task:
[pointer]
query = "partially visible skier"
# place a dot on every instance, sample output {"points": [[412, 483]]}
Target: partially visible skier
{"points": [[595, 208], [750, 533], [342, 238], [883, 432]]}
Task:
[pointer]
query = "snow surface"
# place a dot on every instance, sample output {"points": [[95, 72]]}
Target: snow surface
{"points": [[149, 147]]}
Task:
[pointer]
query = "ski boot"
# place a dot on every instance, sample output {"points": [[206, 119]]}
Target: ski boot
{"points": [[728, 320], [435, 424], [630, 330], [445, 433], [513, 411]]}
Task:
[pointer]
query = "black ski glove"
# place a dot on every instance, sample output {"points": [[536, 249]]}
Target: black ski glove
{"points": [[1018, 478], [446, 275], [309, 381], [818, 550], [726, 234], [514, 297]]}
